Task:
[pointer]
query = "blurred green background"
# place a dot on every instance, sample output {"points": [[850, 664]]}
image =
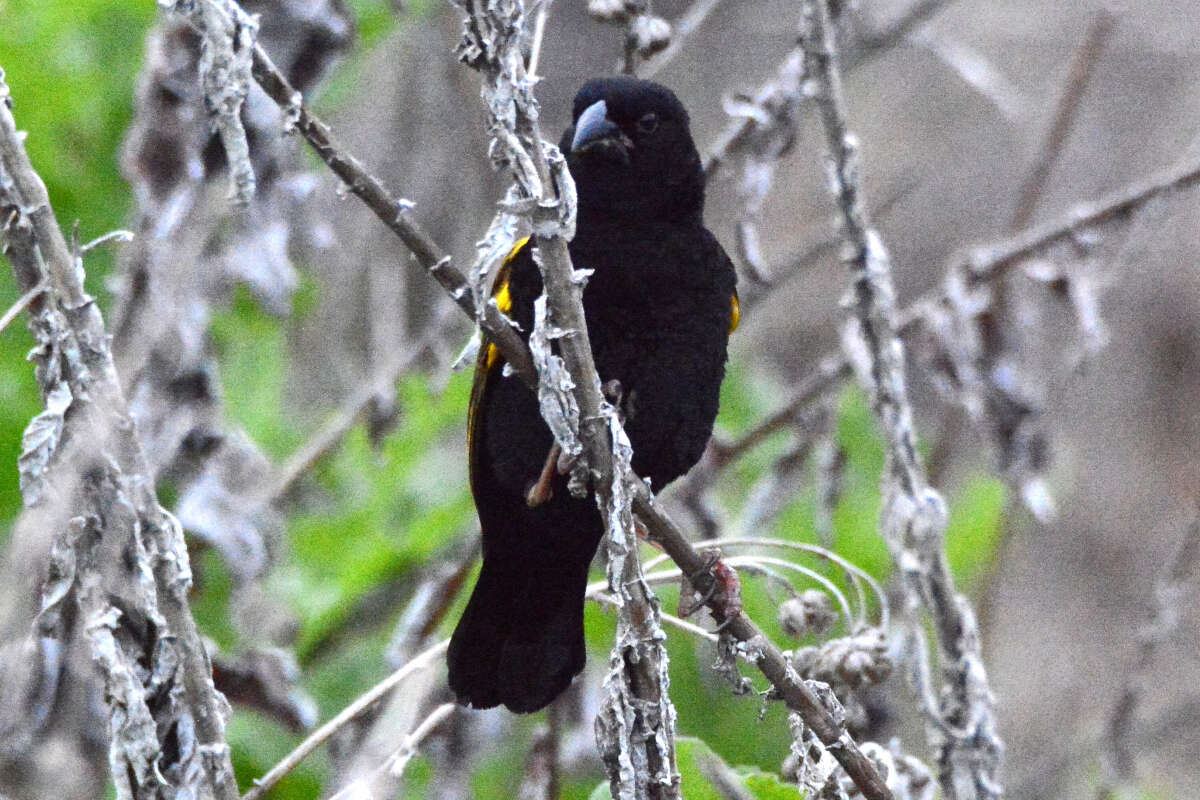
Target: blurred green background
{"points": [[71, 68]]}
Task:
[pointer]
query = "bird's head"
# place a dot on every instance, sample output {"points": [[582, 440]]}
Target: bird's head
{"points": [[631, 153]]}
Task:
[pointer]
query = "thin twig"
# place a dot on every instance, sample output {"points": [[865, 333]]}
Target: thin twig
{"points": [[598, 591], [725, 781], [1083, 66], [856, 573], [22, 303], [539, 33], [395, 763], [761, 565], [112, 237], [347, 715], [976, 71], [431, 600], [331, 433]]}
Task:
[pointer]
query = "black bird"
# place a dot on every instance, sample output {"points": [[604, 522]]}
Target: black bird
{"points": [[660, 305]]}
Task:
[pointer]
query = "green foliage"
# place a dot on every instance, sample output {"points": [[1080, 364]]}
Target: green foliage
{"points": [[389, 512], [375, 20], [70, 67], [251, 348]]}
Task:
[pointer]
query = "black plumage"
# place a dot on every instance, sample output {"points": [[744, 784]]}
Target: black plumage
{"points": [[660, 304]]}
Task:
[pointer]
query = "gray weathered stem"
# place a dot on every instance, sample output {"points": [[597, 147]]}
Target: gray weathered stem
{"points": [[97, 472], [961, 724]]}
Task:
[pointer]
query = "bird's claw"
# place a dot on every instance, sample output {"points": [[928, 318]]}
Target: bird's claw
{"points": [[724, 591]]}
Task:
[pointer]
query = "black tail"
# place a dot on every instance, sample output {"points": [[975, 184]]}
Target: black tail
{"points": [[520, 641]]}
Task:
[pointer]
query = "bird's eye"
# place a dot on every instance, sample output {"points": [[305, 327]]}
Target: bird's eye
{"points": [[648, 123]]}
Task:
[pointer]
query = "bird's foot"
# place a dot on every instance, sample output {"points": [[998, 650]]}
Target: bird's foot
{"points": [[722, 593]]}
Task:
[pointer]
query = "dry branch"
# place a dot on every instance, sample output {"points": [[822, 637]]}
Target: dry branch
{"points": [[1083, 66], [393, 212], [961, 724], [984, 264]]}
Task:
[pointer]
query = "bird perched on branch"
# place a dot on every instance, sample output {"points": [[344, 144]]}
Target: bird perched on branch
{"points": [[660, 304]]}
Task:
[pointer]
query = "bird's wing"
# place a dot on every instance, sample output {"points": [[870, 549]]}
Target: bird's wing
{"points": [[489, 362]]}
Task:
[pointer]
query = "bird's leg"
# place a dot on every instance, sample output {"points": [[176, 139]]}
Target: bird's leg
{"points": [[542, 489]]}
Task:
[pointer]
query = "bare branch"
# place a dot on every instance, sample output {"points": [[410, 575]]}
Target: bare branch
{"points": [[331, 433], [1083, 66], [393, 212], [984, 264], [962, 729], [975, 70], [267, 680]]}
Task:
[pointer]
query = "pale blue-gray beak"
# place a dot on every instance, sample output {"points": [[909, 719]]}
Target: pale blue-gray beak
{"points": [[594, 126]]}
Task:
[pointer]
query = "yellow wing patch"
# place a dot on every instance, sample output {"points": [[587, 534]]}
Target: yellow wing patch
{"points": [[735, 309], [490, 354], [503, 299]]}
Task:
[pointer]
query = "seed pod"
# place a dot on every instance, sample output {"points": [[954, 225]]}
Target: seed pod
{"points": [[811, 612], [651, 34], [607, 10]]}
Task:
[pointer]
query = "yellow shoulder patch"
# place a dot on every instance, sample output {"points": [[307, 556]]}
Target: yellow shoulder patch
{"points": [[735, 309], [503, 297]]}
